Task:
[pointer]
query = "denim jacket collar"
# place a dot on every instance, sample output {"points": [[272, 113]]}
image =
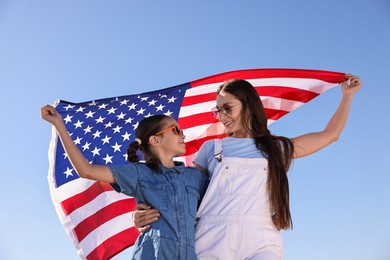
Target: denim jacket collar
{"points": [[178, 168]]}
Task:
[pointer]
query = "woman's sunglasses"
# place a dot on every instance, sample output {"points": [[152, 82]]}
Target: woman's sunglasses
{"points": [[225, 110], [174, 128]]}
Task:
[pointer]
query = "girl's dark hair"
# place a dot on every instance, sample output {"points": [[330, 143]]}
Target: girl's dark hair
{"points": [[146, 128], [278, 150]]}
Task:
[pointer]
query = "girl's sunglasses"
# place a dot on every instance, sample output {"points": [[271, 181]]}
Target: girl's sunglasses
{"points": [[174, 128]]}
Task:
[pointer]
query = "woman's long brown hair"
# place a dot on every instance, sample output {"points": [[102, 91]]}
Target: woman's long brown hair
{"points": [[278, 150]]}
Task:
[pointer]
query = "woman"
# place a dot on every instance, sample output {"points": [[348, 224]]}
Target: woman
{"points": [[247, 201]]}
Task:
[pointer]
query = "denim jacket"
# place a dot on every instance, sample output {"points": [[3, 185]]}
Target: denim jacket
{"points": [[176, 192]]}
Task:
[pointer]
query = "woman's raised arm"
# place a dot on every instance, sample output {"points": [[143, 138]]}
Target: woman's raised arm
{"points": [[312, 142]]}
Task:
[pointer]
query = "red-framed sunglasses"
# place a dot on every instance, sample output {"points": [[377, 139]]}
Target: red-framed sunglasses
{"points": [[174, 128]]}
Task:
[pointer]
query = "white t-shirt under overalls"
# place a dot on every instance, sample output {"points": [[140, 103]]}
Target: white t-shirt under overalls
{"points": [[234, 216]]}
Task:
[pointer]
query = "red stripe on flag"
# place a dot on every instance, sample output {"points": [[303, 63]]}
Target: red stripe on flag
{"points": [[71, 204], [275, 114], [333, 77], [115, 244], [192, 100], [289, 93], [103, 215], [197, 119]]}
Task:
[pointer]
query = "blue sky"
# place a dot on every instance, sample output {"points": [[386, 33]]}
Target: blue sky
{"points": [[84, 50]]}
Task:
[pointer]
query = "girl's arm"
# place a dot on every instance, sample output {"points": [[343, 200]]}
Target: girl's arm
{"points": [[313, 142], [83, 168]]}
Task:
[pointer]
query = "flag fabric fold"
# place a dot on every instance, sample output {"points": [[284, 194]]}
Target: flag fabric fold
{"points": [[99, 220]]}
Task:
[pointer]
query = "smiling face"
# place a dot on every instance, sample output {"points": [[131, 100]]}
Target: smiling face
{"points": [[172, 139], [230, 114]]}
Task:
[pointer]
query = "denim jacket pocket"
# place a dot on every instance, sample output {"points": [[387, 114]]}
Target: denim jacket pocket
{"points": [[193, 200], [156, 192]]}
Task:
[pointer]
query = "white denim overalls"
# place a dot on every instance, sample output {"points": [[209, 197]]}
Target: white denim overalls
{"points": [[234, 220]]}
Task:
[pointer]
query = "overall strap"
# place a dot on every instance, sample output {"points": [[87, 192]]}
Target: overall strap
{"points": [[218, 150], [214, 178]]}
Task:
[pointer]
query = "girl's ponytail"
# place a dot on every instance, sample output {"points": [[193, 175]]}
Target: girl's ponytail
{"points": [[132, 150]]}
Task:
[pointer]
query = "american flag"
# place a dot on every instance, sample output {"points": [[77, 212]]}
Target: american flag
{"points": [[99, 220]]}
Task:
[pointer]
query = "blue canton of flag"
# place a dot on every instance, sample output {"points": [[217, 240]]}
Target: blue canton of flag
{"points": [[103, 129]]}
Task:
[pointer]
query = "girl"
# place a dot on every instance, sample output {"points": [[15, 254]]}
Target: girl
{"points": [[247, 201], [169, 186]]}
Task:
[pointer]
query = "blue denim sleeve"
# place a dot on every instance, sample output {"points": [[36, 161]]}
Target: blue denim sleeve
{"points": [[126, 177]]}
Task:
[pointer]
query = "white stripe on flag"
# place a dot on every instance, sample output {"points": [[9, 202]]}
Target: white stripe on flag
{"points": [[95, 205], [73, 188], [203, 89], [314, 85], [280, 103], [201, 131], [198, 108]]}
